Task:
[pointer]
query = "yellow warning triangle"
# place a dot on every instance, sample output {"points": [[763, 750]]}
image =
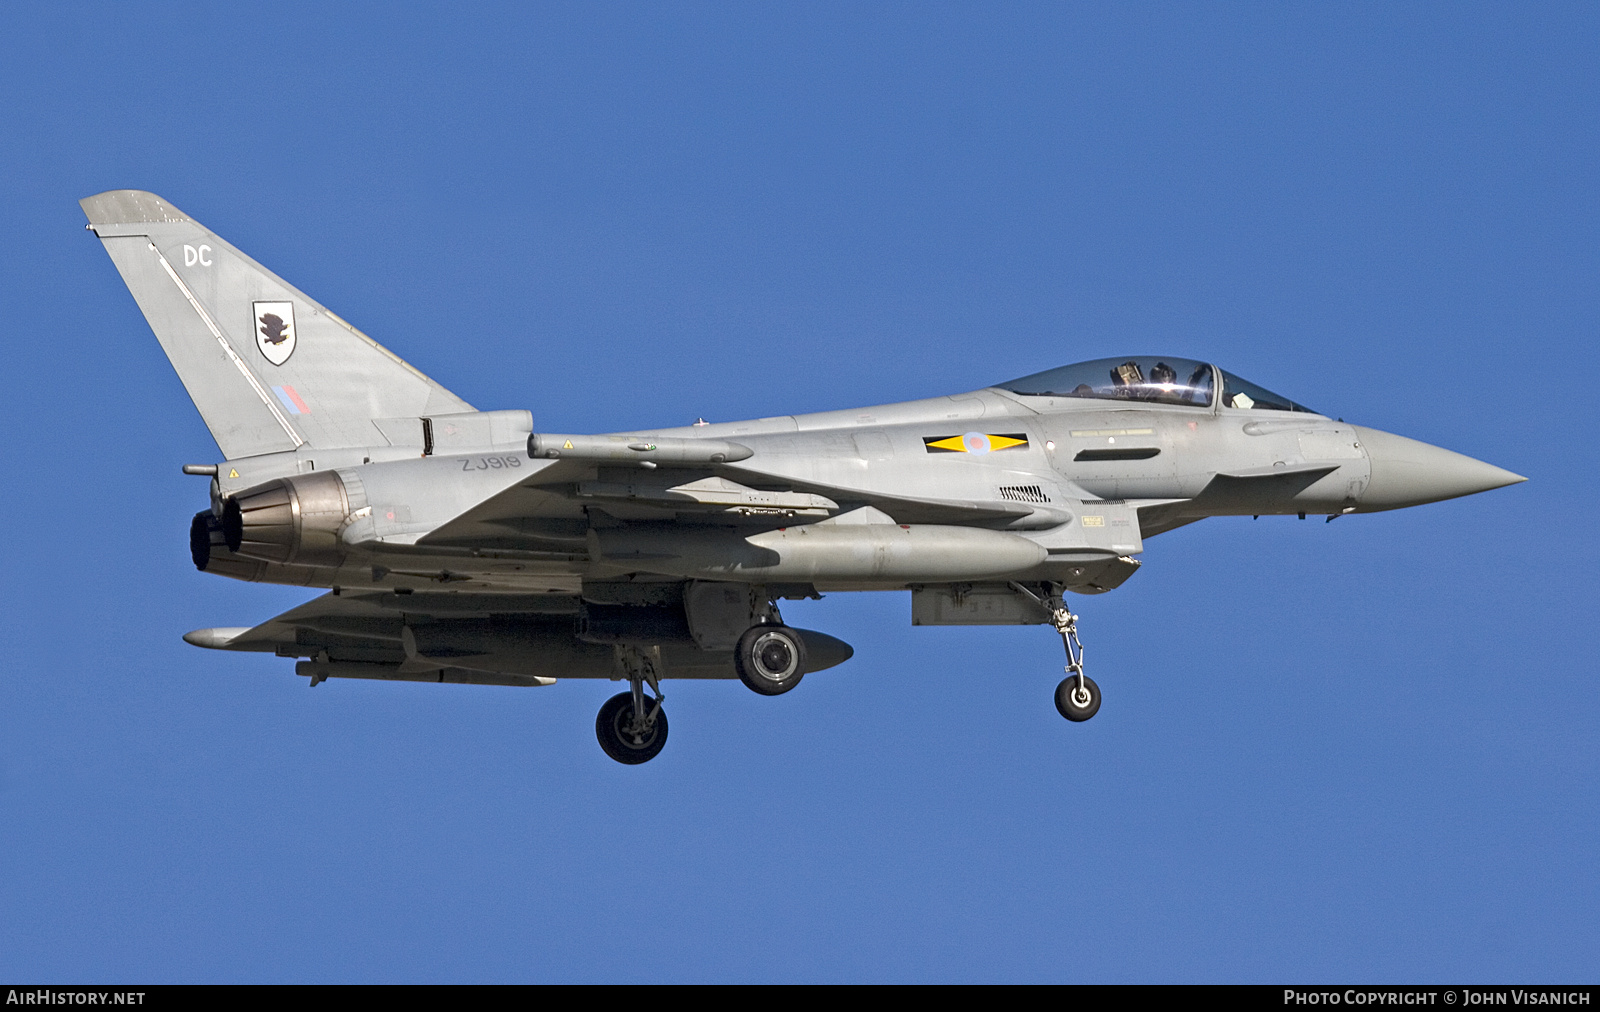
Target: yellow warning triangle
{"points": [[233, 472]]}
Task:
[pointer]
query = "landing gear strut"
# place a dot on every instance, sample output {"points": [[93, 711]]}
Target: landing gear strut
{"points": [[632, 727], [1077, 697]]}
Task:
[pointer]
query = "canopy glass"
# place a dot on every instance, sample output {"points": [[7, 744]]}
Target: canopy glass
{"points": [[1158, 380], [1238, 393], [1151, 380]]}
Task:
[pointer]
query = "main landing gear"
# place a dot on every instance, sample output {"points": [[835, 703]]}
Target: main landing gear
{"points": [[632, 727], [769, 657], [1077, 697]]}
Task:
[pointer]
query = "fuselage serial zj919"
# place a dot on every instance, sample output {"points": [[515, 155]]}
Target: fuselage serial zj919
{"points": [[463, 546]]}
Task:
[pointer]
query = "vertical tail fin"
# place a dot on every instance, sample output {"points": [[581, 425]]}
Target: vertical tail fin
{"points": [[269, 368]]}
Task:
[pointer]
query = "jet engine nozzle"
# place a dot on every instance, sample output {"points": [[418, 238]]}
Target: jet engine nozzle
{"points": [[288, 520]]}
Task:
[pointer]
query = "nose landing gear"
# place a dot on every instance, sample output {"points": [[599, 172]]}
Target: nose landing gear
{"points": [[1077, 697]]}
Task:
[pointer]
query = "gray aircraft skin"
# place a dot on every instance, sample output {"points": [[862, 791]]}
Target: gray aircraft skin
{"points": [[463, 546]]}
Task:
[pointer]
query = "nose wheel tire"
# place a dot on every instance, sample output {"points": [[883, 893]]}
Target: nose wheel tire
{"points": [[1078, 702], [770, 659], [628, 740]]}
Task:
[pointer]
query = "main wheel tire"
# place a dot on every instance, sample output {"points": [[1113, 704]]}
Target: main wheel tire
{"points": [[1075, 704], [770, 659], [611, 728]]}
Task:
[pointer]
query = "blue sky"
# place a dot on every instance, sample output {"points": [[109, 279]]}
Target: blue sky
{"points": [[1352, 751]]}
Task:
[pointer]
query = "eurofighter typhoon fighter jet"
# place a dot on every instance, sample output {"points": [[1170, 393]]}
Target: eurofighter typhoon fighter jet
{"points": [[464, 546]]}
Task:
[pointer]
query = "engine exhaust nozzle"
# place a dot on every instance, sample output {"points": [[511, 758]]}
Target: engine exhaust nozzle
{"points": [[288, 520]]}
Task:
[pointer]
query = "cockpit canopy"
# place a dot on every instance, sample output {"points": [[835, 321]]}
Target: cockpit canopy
{"points": [[1161, 380], [1151, 380]]}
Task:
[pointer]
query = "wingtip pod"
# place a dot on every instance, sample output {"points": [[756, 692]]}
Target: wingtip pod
{"points": [[120, 207], [215, 639]]}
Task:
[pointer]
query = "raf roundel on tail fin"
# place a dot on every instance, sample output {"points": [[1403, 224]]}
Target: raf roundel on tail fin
{"points": [[269, 368]]}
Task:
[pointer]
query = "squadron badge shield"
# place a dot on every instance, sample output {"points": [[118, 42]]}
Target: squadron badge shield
{"points": [[274, 327]]}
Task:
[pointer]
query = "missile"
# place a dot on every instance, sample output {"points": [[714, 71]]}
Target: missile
{"points": [[640, 450]]}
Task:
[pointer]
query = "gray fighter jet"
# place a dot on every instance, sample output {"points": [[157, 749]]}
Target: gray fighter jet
{"points": [[464, 546]]}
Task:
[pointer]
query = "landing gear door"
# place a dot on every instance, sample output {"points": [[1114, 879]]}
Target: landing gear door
{"points": [[974, 604], [719, 613]]}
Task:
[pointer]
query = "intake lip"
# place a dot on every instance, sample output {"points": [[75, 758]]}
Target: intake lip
{"points": [[1409, 472]]}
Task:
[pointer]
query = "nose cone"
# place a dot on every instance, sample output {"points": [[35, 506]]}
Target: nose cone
{"points": [[1406, 472]]}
